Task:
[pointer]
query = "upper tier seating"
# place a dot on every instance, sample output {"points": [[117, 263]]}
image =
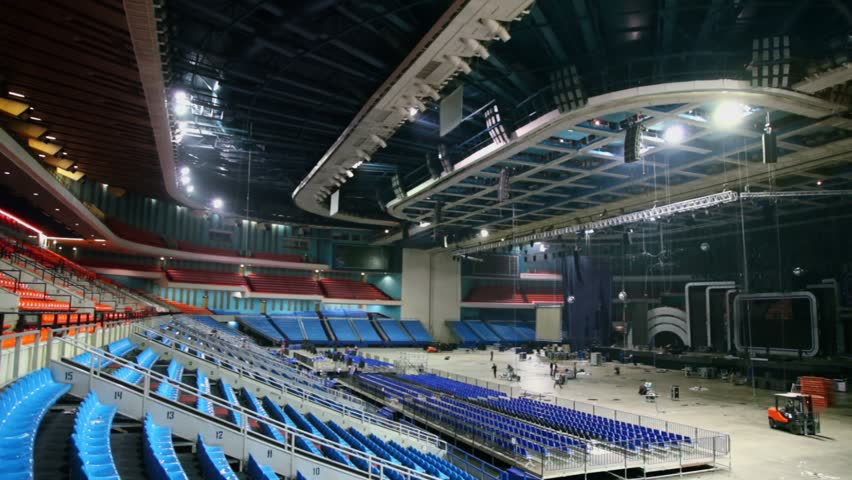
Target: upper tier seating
{"points": [[417, 331], [91, 455], [280, 257], [545, 297], [285, 284], [356, 289], [482, 330], [134, 234], [395, 332], [22, 407], [187, 308], [96, 262], [495, 294], [192, 247], [206, 276]]}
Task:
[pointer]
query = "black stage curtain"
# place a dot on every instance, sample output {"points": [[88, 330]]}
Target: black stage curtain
{"points": [[586, 322]]}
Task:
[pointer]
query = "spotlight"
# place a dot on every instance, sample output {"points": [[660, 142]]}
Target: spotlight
{"points": [[184, 180], [190, 189], [705, 247], [387, 230], [184, 171], [674, 134], [218, 203], [819, 183], [412, 112], [728, 114], [483, 233]]}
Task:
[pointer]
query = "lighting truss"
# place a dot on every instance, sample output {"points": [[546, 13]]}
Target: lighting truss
{"points": [[650, 214], [806, 193]]}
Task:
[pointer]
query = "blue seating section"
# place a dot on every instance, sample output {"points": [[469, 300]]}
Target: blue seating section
{"points": [[121, 347], [260, 324], [96, 361], [214, 464], [91, 455], [219, 326], [228, 392], [265, 428], [158, 453], [175, 372], [454, 387], [145, 360], [466, 336], [290, 326], [480, 329], [506, 332], [314, 331], [22, 407], [417, 331], [356, 359], [586, 425], [202, 383], [395, 332], [344, 332], [485, 425], [256, 471], [366, 331]]}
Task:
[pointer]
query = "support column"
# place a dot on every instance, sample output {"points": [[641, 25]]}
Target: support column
{"points": [[431, 290]]}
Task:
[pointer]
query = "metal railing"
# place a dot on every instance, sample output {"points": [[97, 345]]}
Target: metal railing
{"points": [[26, 351], [247, 416], [705, 446], [330, 399]]}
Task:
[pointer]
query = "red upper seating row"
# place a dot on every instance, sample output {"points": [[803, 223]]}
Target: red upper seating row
{"points": [[136, 234], [107, 263], [266, 283], [508, 294], [347, 288], [206, 276], [187, 308]]}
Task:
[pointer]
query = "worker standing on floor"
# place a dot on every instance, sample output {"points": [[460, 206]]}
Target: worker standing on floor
{"points": [[494, 369], [492, 355]]}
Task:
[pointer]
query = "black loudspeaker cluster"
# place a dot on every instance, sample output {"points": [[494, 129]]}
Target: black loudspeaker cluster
{"points": [[770, 147], [632, 143]]}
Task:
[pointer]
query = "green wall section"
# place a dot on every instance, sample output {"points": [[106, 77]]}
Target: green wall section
{"points": [[178, 223]]}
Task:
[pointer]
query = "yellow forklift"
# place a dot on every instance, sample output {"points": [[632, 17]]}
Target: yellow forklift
{"points": [[794, 412]]}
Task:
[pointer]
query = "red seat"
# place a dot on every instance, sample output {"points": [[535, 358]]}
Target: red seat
{"points": [[206, 277], [354, 289], [495, 294], [267, 283]]}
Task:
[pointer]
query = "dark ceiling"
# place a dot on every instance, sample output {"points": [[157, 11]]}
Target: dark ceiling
{"points": [[292, 75], [74, 63], [279, 81]]}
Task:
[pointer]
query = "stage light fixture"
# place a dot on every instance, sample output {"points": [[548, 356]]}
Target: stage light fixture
{"points": [[483, 233], [728, 114], [184, 180], [674, 134], [190, 189], [218, 203], [16, 94], [184, 171]]}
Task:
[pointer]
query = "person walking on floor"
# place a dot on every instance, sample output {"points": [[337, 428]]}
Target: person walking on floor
{"points": [[494, 369], [492, 355], [557, 380]]}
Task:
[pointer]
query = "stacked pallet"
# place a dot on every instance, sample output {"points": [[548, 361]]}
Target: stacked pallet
{"points": [[821, 389]]}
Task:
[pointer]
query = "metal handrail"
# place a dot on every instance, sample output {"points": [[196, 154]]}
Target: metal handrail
{"points": [[245, 414], [363, 414]]}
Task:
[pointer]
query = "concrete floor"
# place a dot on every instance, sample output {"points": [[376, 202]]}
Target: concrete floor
{"points": [[758, 453]]}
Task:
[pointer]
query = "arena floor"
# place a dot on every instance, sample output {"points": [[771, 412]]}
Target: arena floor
{"points": [[758, 452]]}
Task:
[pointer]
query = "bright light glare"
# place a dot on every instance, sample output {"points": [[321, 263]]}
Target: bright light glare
{"points": [[190, 188], [412, 112], [16, 94], [184, 171], [184, 180], [674, 134], [728, 114], [483, 233], [181, 102], [425, 224], [218, 203]]}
